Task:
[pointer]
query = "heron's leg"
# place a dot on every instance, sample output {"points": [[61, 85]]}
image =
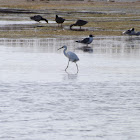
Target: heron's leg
{"points": [[77, 67], [67, 65]]}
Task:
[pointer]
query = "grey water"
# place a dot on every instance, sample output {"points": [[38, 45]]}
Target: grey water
{"points": [[40, 101]]}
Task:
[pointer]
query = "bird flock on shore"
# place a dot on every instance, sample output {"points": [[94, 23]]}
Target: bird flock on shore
{"points": [[70, 55], [59, 20]]}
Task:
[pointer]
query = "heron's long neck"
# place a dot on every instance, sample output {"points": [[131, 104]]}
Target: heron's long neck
{"points": [[65, 52]]}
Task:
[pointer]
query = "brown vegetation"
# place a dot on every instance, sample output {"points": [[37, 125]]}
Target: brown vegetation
{"points": [[105, 18]]}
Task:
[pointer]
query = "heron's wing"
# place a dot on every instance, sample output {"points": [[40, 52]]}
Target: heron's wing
{"points": [[72, 56]]}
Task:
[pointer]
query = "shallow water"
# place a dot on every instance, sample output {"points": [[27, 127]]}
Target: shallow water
{"points": [[40, 101], [29, 22]]}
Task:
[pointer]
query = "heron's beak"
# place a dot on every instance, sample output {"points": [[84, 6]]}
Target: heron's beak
{"points": [[60, 48]]}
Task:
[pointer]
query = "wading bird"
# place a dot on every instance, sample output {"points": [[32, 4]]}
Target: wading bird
{"points": [[59, 20], [79, 23], [71, 57], [38, 18], [87, 40]]}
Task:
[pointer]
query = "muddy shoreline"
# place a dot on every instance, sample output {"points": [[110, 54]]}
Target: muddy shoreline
{"points": [[103, 18]]}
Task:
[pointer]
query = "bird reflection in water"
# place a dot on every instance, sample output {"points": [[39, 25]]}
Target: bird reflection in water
{"points": [[86, 49], [70, 76]]}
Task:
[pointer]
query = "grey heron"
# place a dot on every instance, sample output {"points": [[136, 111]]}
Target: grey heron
{"points": [[71, 57]]}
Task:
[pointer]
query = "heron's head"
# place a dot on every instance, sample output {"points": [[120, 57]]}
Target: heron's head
{"points": [[63, 47], [91, 35]]}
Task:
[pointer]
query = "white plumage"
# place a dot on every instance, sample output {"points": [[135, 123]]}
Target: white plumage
{"points": [[71, 57]]}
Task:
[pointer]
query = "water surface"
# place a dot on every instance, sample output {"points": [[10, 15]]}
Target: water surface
{"points": [[40, 101]]}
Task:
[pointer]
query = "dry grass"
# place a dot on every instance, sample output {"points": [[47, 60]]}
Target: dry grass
{"points": [[66, 5], [102, 23]]}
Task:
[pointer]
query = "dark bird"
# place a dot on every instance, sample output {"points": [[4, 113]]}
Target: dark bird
{"points": [[59, 20], [79, 23], [131, 32], [38, 18], [87, 40]]}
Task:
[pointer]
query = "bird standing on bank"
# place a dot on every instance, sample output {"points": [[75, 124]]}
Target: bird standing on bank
{"points": [[87, 40], [79, 23], [38, 18], [71, 57], [59, 20], [131, 32]]}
